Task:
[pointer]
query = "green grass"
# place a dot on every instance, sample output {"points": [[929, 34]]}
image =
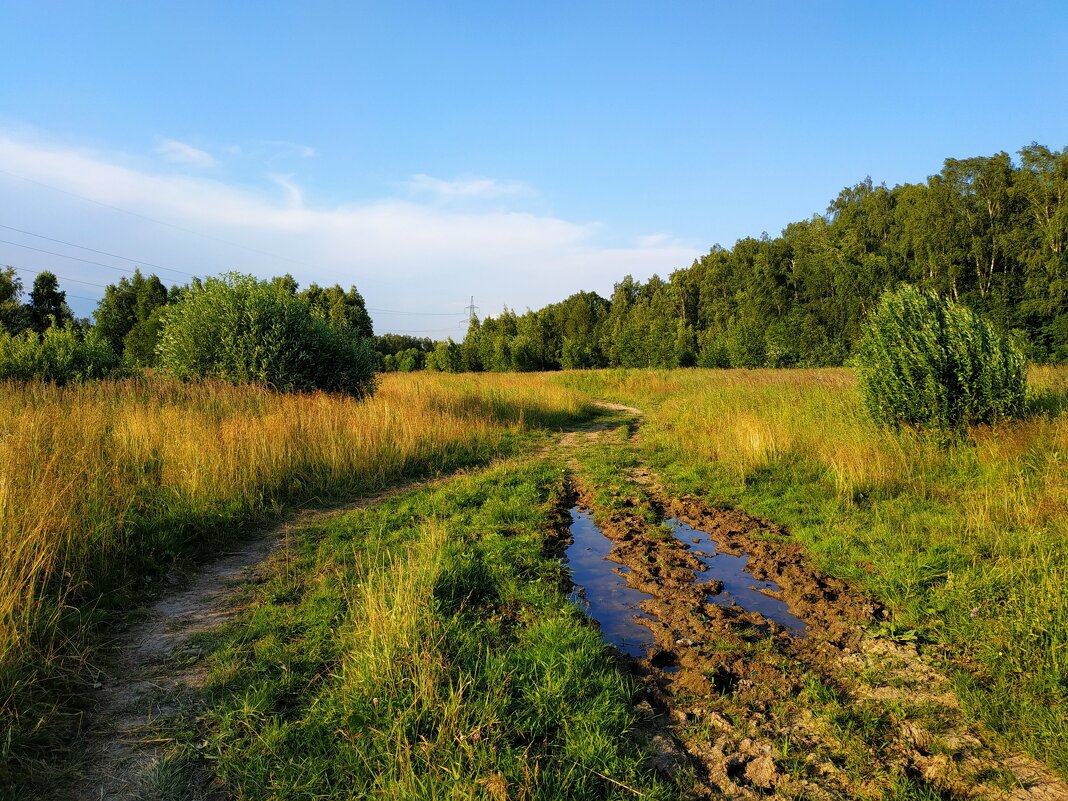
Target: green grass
{"points": [[110, 487], [966, 543], [423, 648]]}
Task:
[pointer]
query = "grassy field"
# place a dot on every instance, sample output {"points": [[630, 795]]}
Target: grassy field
{"points": [[438, 622], [434, 631], [108, 488], [967, 544]]}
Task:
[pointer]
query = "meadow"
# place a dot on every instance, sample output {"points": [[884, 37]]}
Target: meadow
{"points": [[111, 489], [965, 542]]}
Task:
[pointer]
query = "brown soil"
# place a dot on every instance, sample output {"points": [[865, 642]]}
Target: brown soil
{"points": [[757, 711]]}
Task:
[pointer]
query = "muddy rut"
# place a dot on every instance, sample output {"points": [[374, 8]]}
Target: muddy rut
{"points": [[804, 703]]}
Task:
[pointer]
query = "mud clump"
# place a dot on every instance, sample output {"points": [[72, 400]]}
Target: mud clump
{"points": [[761, 772], [755, 709], [825, 604]]}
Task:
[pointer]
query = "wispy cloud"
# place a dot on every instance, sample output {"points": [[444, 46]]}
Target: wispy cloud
{"points": [[292, 148], [470, 188], [271, 151], [416, 251], [181, 153], [292, 190]]}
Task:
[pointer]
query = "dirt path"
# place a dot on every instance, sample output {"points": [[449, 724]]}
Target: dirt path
{"points": [[756, 709], [153, 671]]}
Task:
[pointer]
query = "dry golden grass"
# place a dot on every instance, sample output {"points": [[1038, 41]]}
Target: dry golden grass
{"points": [[99, 480], [745, 420]]}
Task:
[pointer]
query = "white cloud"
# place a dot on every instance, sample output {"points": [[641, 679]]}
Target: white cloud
{"points": [[180, 153], [416, 253], [293, 192], [472, 188], [654, 240]]}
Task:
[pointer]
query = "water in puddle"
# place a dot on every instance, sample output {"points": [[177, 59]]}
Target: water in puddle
{"points": [[739, 585], [605, 595]]}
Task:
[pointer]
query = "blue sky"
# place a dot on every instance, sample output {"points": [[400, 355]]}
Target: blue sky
{"points": [[517, 152]]}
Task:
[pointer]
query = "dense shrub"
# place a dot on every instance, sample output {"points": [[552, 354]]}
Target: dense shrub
{"points": [[139, 344], [925, 361], [409, 360], [240, 329], [446, 358], [60, 355]]}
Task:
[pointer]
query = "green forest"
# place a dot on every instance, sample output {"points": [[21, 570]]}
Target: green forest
{"points": [[988, 232]]}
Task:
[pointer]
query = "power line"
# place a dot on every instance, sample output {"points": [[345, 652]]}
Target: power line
{"points": [[148, 264], [422, 331], [160, 267], [419, 314], [104, 286], [65, 256], [60, 277], [140, 262], [156, 221]]}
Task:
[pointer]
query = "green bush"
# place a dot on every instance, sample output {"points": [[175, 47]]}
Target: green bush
{"points": [[139, 345], [239, 329], [59, 355], [928, 362], [446, 358], [409, 360]]}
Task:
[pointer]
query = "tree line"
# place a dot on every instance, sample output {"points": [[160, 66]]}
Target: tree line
{"points": [[989, 233]]}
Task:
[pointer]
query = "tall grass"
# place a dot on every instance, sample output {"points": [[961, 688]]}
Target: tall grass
{"points": [[421, 649], [967, 542], [104, 486]]}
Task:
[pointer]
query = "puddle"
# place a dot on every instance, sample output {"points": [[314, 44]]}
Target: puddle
{"points": [[739, 585], [601, 592]]}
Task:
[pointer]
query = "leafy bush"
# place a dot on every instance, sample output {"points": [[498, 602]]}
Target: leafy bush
{"points": [[139, 345], [409, 360], [446, 358], [59, 355], [925, 361], [240, 329]]}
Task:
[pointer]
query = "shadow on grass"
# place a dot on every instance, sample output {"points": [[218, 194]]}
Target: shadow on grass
{"points": [[1047, 401]]}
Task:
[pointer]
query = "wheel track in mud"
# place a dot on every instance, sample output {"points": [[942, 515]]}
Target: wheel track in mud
{"points": [[729, 698]]}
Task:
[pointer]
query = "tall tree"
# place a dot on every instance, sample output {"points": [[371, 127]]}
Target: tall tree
{"points": [[125, 305], [983, 186], [344, 310], [48, 304], [14, 317]]}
